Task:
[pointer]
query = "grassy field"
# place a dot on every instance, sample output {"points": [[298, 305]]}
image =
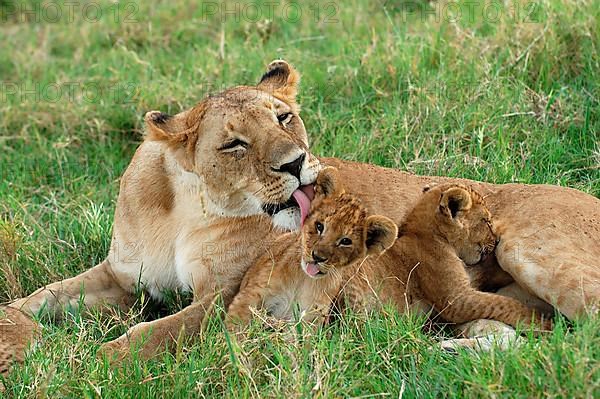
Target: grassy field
{"points": [[496, 91]]}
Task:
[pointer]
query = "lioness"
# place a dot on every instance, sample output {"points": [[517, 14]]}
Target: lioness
{"points": [[196, 200], [196, 204], [307, 269]]}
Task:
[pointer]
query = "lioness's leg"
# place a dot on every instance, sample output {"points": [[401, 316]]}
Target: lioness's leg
{"points": [[151, 338], [549, 243], [156, 336], [563, 277], [96, 286]]}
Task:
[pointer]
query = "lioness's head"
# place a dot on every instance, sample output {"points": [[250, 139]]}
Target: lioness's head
{"points": [[461, 216], [338, 232], [246, 147]]}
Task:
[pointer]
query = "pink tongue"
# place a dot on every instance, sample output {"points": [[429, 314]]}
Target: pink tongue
{"points": [[312, 269], [309, 190], [303, 196]]}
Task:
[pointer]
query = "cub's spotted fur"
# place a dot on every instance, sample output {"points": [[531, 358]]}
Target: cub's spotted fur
{"points": [[307, 269]]}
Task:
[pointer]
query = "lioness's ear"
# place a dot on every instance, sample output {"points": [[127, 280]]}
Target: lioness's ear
{"points": [[381, 234], [174, 130], [281, 79], [453, 200], [161, 126], [328, 182]]}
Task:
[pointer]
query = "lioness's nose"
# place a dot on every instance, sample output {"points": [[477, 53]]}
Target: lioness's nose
{"points": [[295, 167]]}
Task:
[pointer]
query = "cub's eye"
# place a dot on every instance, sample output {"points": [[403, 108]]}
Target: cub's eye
{"points": [[319, 226], [234, 145], [345, 242], [285, 117]]}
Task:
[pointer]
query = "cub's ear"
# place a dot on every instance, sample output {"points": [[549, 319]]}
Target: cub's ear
{"points": [[455, 199], [381, 234], [281, 79], [328, 182], [429, 186], [174, 130]]}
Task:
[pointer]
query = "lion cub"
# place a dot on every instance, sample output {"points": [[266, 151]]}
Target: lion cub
{"points": [[306, 269], [451, 228]]}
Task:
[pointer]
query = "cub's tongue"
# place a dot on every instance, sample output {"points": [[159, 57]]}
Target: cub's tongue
{"points": [[312, 269], [303, 195]]}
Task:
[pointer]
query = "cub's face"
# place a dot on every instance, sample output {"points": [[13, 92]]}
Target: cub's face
{"points": [[333, 235], [480, 240], [338, 232], [466, 223]]}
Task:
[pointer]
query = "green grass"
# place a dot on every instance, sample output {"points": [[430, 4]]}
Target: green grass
{"points": [[396, 83]]}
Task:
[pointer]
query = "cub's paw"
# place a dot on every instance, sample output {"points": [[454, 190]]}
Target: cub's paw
{"points": [[543, 324], [116, 351]]}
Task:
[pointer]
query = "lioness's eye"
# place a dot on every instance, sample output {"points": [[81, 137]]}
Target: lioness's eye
{"points": [[234, 145], [319, 226], [285, 117], [345, 242]]}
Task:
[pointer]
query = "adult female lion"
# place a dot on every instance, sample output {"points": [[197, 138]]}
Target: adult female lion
{"points": [[193, 210]]}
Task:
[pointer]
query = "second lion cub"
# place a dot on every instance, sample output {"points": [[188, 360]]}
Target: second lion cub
{"points": [[448, 229], [306, 269]]}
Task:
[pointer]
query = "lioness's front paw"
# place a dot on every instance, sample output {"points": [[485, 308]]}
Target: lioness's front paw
{"points": [[481, 344], [139, 341]]}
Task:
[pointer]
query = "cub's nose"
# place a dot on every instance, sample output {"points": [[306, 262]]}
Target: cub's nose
{"points": [[293, 168], [317, 258]]}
